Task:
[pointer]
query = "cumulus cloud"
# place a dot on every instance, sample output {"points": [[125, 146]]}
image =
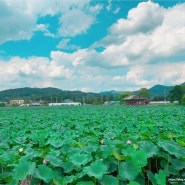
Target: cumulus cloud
{"points": [[149, 34], [37, 70], [142, 50], [149, 75], [75, 22], [167, 39], [15, 23], [144, 18], [18, 20], [68, 71]]}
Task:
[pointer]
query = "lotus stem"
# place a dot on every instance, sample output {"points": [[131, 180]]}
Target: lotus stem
{"points": [[94, 181], [168, 162], [149, 164], [156, 165], [118, 172]]}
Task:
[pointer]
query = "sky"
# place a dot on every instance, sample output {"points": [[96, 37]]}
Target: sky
{"points": [[91, 45]]}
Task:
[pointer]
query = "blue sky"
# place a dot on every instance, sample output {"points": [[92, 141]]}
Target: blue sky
{"points": [[91, 45]]}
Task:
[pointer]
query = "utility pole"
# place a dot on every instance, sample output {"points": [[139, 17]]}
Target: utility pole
{"points": [[83, 100], [164, 94]]}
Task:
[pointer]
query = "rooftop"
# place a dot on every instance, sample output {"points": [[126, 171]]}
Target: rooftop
{"points": [[135, 97]]}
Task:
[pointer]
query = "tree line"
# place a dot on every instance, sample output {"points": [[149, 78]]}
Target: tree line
{"points": [[51, 95], [177, 93]]}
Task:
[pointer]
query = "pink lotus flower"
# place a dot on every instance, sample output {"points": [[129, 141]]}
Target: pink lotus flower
{"points": [[129, 142], [45, 161], [102, 142], [20, 149]]}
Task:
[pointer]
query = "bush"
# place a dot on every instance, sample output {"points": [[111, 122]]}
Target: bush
{"points": [[183, 100], [2, 104]]}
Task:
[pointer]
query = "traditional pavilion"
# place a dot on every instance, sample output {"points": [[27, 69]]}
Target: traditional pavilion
{"points": [[136, 100]]}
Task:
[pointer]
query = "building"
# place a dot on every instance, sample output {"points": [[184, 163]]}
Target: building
{"points": [[112, 103], [159, 102], [65, 104], [136, 100], [16, 102]]}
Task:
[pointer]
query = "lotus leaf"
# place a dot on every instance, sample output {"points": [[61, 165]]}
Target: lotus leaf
{"points": [[173, 148], [161, 177], [133, 183], [140, 158], [56, 143], [152, 178], [129, 170], [85, 183], [109, 180], [55, 161], [23, 169], [68, 138], [43, 172], [149, 148], [97, 169], [79, 159]]}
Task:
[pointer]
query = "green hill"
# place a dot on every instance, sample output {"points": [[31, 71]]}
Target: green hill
{"points": [[45, 94], [50, 94], [160, 90]]}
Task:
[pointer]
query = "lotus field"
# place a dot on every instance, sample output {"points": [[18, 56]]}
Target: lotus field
{"points": [[92, 145]]}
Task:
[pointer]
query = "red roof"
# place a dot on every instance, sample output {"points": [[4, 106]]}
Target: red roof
{"points": [[135, 97]]}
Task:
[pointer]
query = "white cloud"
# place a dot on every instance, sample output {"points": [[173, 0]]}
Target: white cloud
{"points": [[149, 34], [142, 50], [109, 6], [33, 70], [42, 72], [144, 18], [77, 58], [149, 75], [44, 28], [116, 10], [18, 20], [71, 26], [65, 44], [166, 39], [15, 23], [86, 89]]}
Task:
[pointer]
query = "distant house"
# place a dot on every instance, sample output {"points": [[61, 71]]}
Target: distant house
{"points": [[112, 103], [16, 102], [136, 100], [65, 104], [159, 102], [35, 104]]}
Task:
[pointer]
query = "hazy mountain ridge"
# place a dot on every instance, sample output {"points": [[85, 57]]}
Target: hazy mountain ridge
{"points": [[28, 93], [160, 90], [156, 90]]}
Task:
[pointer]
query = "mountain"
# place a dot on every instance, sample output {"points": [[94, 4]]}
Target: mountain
{"points": [[159, 90], [183, 84], [109, 93], [48, 93]]}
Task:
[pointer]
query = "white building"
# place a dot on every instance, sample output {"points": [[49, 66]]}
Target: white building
{"points": [[159, 102], [65, 104], [16, 102]]}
